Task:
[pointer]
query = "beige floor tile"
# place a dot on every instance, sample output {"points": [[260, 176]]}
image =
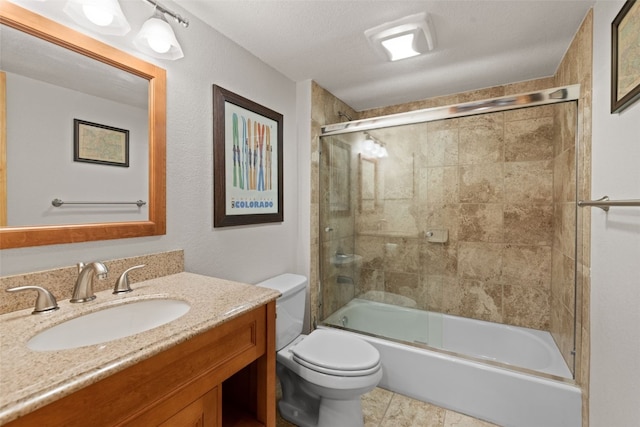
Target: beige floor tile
{"points": [[406, 412], [454, 419], [374, 406], [383, 408]]}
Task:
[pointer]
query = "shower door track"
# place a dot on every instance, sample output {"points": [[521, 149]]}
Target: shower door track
{"points": [[510, 102]]}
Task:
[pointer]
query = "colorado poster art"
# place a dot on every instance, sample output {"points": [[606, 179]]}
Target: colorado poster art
{"points": [[251, 162]]}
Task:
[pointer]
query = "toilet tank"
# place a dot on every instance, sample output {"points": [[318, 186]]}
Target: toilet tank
{"points": [[289, 307]]}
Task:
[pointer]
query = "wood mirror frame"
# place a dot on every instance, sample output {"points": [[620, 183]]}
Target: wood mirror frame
{"points": [[36, 25]]}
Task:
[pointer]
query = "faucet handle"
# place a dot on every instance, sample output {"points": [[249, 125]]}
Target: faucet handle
{"points": [[122, 284], [45, 302]]}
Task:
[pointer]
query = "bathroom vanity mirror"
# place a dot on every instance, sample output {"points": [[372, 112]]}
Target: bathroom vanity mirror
{"points": [[136, 91]]}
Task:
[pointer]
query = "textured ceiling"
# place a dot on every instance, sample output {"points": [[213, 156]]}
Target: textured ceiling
{"points": [[479, 43]]}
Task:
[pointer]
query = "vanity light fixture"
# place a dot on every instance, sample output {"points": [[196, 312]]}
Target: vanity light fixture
{"points": [[403, 38], [101, 16], [156, 37]]}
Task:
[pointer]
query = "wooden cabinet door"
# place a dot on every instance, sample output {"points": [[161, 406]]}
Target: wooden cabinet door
{"points": [[204, 412]]}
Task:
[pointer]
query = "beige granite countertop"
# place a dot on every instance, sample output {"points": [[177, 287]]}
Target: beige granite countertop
{"points": [[30, 379]]}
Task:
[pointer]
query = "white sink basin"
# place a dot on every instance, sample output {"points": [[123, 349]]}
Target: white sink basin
{"points": [[108, 324]]}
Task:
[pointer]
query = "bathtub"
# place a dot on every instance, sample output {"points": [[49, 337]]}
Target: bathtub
{"points": [[479, 368]]}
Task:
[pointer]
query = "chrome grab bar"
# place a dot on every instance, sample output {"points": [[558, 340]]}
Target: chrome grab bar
{"points": [[604, 203], [57, 203]]}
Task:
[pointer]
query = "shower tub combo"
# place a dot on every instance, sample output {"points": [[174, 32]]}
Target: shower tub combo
{"points": [[508, 375], [467, 365]]}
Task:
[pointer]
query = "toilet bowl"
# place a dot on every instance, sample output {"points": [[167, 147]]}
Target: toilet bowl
{"points": [[324, 374]]}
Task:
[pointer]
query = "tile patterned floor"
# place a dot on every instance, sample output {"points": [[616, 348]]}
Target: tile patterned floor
{"points": [[383, 408]]}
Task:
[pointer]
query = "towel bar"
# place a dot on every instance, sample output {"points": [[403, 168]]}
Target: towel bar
{"points": [[604, 203], [57, 203]]}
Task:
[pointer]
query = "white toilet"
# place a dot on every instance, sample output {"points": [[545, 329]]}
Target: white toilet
{"points": [[322, 374]]}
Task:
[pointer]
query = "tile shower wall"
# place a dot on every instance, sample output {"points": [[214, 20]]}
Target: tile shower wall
{"points": [[488, 181]]}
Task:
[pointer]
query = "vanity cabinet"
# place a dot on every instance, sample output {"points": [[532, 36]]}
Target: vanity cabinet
{"points": [[184, 384]]}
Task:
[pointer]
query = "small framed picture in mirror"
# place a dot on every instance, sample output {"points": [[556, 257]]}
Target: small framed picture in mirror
{"points": [[96, 143]]}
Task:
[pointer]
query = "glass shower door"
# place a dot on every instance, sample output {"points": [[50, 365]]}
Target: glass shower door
{"points": [[363, 254], [456, 220], [339, 264]]}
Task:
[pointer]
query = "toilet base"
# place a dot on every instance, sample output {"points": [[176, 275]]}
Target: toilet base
{"points": [[331, 413], [297, 416], [340, 413]]}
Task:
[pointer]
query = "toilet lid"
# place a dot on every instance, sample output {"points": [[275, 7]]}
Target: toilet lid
{"points": [[336, 354]]}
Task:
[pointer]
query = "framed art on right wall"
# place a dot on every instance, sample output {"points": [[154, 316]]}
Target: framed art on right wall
{"points": [[625, 57]]}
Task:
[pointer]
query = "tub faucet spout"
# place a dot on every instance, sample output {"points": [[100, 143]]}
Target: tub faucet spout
{"points": [[83, 290]]}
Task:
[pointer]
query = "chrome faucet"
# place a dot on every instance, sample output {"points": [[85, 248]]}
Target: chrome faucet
{"points": [[83, 290], [45, 302]]}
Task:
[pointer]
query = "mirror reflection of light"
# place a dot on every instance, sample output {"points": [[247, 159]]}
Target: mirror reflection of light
{"points": [[372, 149]]}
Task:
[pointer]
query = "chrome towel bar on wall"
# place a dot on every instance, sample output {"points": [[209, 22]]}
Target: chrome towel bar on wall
{"points": [[57, 203], [604, 203]]}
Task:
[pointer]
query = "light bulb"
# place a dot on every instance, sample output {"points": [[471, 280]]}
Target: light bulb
{"points": [[156, 38], [97, 15], [102, 16], [159, 44]]}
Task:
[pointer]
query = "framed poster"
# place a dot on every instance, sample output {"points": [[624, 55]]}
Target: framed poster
{"points": [[247, 161], [96, 143], [625, 57]]}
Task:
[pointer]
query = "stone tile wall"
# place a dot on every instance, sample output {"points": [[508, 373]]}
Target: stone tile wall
{"points": [[488, 181]]}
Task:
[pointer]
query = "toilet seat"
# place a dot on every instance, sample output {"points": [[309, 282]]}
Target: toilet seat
{"points": [[336, 354]]}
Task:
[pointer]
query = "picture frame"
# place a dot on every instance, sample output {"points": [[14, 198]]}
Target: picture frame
{"points": [[101, 144], [625, 51], [247, 161]]}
